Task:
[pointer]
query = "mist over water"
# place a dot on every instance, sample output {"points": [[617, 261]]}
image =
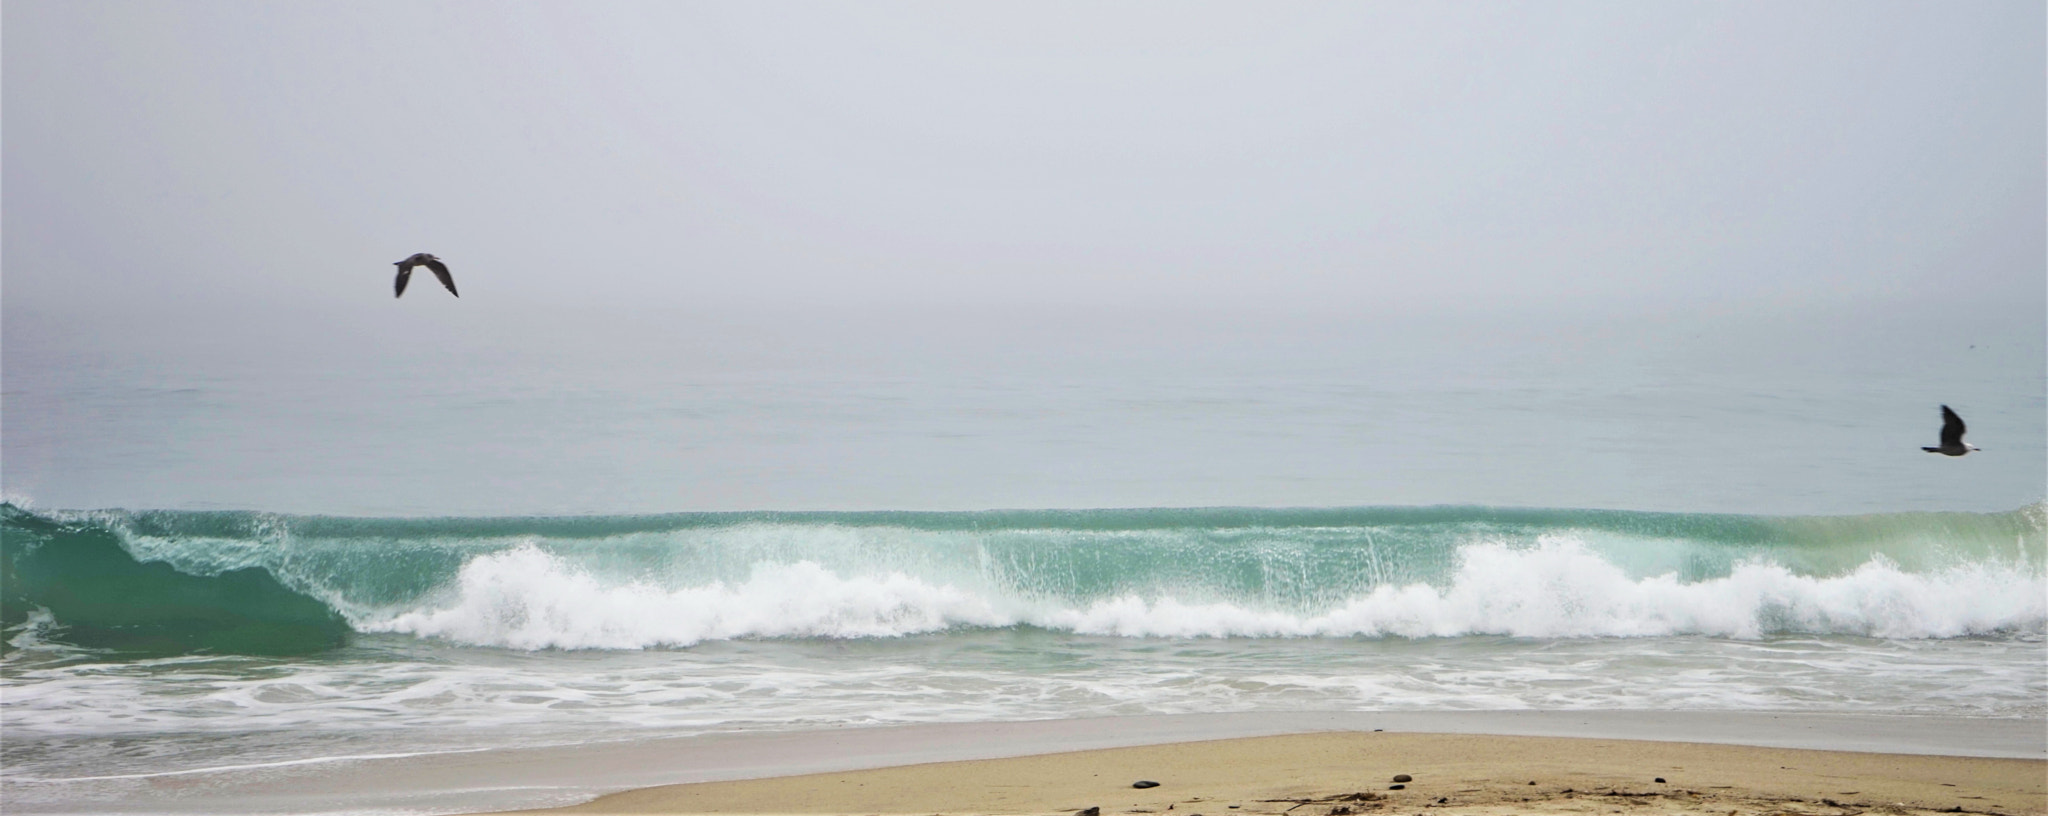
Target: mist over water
{"points": [[1772, 412]]}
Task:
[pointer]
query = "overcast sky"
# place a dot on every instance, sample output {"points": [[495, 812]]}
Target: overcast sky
{"points": [[235, 157], [920, 248]]}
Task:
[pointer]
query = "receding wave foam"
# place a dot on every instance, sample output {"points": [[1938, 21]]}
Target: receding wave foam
{"points": [[525, 598]]}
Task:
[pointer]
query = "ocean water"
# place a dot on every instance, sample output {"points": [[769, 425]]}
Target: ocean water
{"points": [[168, 641], [229, 558]]}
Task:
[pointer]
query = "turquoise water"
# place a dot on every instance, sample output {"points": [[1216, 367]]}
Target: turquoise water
{"points": [[147, 644], [171, 582]]}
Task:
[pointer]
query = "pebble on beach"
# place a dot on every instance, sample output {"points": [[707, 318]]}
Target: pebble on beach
{"points": [[1403, 778], [1397, 787], [1660, 780], [1144, 783], [1093, 811]]}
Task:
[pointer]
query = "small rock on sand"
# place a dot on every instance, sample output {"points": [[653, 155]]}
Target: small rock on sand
{"points": [[1397, 787], [1660, 780], [1144, 783], [1403, 778], [1094, 811]]}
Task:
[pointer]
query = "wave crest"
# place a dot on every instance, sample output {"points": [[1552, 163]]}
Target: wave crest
{"points": [[526, 598], [1562, 589], [641, 582]]}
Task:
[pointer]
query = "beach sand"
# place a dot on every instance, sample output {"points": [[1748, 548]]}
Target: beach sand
{"points": [[1353, 772]]}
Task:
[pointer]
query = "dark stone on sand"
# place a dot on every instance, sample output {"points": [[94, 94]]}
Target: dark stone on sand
{"points": [[1397, 787], [1403, 778], [1532, 781], [1660, 780], [1144, 783], [1094, 811]]}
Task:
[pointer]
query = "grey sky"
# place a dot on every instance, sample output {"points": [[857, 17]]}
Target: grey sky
{"points": [[1406, 156], [1691, 256]]}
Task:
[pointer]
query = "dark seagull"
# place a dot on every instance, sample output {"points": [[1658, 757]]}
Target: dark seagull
{"points": [[428, 261], [1951, 435]]}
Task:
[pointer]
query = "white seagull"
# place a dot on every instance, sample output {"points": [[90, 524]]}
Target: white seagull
{"points": [[428, 261], [1951, 435]]}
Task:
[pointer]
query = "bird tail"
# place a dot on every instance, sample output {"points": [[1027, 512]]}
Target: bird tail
{"points": [[1931, 450]]}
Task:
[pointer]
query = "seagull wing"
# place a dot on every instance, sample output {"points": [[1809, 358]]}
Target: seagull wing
{"points": [[404, 276], [1951, 429], [441, 271]]}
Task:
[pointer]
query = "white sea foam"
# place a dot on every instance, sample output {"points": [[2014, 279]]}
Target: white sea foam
{"points": [[1561, 589], [526, 598]]}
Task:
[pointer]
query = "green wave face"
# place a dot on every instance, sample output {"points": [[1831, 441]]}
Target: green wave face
{"points": [[256, 583], [104, 598]]}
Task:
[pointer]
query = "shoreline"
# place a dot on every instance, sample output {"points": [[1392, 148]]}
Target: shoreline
{"points": [[1350, 772], [514, 778]]}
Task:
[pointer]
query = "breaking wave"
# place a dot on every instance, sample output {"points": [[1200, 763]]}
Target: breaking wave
{"points": [[265, 583]]}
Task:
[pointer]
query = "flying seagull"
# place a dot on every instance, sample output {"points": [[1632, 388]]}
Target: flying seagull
{"points": [[428, 261], [1951, 435]]}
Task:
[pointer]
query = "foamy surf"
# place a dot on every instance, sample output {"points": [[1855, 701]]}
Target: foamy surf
{"points": [[293, 583], [324, 628], [525, 598]]}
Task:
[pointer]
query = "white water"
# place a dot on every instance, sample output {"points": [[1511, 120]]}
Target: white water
{"points": [[418, 695], [525, 598]]}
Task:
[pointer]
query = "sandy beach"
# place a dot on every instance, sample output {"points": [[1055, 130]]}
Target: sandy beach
{"points": [[1356, 772], [1304, 763]]}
